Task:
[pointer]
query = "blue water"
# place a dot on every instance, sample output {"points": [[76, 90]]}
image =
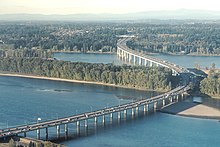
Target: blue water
{"points": [[191, 61], [91, 58], [185, 61], [156, 130], [24, 100]]}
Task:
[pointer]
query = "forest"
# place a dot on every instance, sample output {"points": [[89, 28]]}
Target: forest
{"points": [[211, 84], [187, 37], [151, 78], [26, 53]]}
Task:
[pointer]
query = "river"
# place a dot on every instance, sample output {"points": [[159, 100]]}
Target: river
{"points": [[23, 100]]}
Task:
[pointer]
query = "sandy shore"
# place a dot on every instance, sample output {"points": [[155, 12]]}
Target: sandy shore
{"points": [[54, 79], [191, 109], [202, 111]]}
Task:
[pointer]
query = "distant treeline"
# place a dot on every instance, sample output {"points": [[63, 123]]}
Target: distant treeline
{"points": [[39, 53], [154, 78], [181, 38]]}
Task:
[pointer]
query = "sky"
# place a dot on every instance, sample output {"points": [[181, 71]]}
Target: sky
{"points": [[102, 6]]}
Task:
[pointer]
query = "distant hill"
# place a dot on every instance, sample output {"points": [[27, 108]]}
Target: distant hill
{"points": [[169, 14]]}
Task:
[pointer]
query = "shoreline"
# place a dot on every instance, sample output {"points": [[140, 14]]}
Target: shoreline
{"points": [[191, 109], [149, 53], [78, 52], [74, 81]]}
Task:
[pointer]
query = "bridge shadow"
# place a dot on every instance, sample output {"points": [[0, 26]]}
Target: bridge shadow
{"points": [[93, 129], [178, 107]]}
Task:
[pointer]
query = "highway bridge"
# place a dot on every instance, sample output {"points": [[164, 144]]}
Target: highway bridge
{"points": [[157, 102]]}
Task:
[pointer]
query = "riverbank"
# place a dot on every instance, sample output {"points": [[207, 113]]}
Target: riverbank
{"points": [[191, 109], [79, 52], [74, 81], [24, 142]]}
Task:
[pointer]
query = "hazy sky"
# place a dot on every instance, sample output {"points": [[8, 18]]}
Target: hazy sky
{"points": [[102, 6]]}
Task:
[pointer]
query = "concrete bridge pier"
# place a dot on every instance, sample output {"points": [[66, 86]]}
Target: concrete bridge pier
{"points": [[145, 109], [38, 134], [58, 131], [134, 60], [119, 115], [182, 97], [78, 128], [127, 56], [130, 58], [95, 120], [151, 63], [103, 119], [86, 123], [147, 105], [137, 109], [132, 112], [78, 124], [147, 63], [155, 106], [25, 134], [140, 61], [171, 99], [125, 113], [111, 117], [164, 103], [66, 130], [46, 135], [123, 55], [177, 98]]}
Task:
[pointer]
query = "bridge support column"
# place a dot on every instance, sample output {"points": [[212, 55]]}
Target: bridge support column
{"points": [[182, 96], [140, 61], [127, 57], [144, 108], [137, 109], [155, 106], [130, 58], [119, 115], [78, 124], [145, 62], [58, 131], [96, 120], [132, 112], [111, 117], [122, 55], [38, 134], [147, 107], [134, 60], [125, 113], [66, 130], [164, 103], [78, 128], [103, 119], [151, 63], [25, 134], [46, 135], [171, 99], [86, 123], [177, 98]]}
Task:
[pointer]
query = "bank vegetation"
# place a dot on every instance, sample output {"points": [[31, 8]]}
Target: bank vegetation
{"points": [[149, 78]]}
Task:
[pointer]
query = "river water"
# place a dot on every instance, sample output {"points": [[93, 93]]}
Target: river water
{"points": [[23, 100]]}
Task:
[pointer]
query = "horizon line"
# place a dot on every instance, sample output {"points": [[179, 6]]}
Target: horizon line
{"points": [[91, 13]]}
